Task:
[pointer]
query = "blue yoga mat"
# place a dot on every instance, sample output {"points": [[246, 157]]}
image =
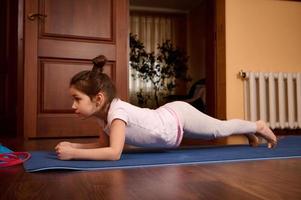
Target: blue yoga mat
{"points": [[288, 147]]}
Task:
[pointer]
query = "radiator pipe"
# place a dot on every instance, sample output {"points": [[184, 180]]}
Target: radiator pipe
{"points": [[242, 74]]}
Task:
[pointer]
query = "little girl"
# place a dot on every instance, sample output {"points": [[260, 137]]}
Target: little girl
{"points": [[94, 95]]}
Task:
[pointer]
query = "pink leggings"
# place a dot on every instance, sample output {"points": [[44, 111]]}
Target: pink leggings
{"points": [[199, 125]]}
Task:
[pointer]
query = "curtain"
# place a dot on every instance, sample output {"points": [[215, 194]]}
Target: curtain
{"points": [[153, 29]]}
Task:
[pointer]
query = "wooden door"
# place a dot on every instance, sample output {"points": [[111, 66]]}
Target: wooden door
{"points": [[61, 38]]}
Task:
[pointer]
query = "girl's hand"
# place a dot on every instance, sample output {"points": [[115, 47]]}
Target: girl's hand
{"points": [[64, 144], [64, 151]]}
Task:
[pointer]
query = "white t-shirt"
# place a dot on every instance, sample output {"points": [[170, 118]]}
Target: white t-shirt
{"points": [[146, 127]]}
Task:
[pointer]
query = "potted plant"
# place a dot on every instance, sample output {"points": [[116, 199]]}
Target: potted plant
{"points": [[161, 70]]}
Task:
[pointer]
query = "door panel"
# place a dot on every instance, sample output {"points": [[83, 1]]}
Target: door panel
{"points": [[62, 44], [72, 19], [73, 49], [64, 22], [65, 125], [55, 74]]}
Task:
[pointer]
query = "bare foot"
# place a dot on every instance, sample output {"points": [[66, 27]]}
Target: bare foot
{"points": [[264, 131], [253, 140]]}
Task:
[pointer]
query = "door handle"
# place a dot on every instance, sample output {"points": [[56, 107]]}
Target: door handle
{"points": [[33, 16]]}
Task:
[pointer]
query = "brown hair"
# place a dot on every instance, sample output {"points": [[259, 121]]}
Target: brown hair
{"points": [[91, 82]]}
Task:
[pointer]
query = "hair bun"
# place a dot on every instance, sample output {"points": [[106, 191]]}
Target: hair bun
{"points": [[98, 62]]}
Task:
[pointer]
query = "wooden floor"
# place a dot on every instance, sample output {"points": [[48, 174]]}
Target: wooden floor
{"points": [[273, 179]]}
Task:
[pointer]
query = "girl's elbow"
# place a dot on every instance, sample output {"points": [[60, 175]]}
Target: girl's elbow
{"points": [[116, 156]]}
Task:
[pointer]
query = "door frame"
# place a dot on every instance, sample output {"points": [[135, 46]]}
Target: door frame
{"points": [[20, 70], [220, 60], [216, 59]]}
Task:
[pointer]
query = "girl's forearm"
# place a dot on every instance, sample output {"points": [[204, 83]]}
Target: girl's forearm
{"points": [[86, 145], [104, 153]]}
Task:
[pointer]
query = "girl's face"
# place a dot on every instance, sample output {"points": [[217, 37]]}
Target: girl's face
{"points": [[82, 104]]}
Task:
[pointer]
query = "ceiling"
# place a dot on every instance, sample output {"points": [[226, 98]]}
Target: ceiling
{"points": [[184, 5]]}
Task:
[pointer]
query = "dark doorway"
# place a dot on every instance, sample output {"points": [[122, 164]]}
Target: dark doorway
{"points": [[202, 42], [10, 73]]}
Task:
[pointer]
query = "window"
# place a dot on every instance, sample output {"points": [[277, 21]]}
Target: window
{"points": [[153, 29]]}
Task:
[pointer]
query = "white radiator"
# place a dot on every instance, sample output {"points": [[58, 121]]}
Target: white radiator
{"points": [[273, 97]]}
